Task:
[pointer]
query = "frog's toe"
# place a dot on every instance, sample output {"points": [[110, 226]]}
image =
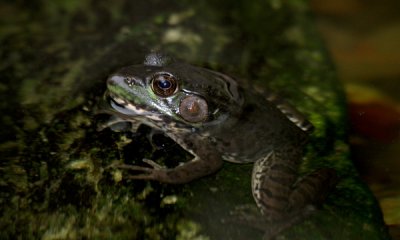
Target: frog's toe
{"points": [[134, 168], [155, 172], [153, 164], [141, 177], [143, 173]]}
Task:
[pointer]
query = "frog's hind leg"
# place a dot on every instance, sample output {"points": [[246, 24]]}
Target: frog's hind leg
{"points": [[278, 192], [271, 185], [282, 198], [313, 188]]}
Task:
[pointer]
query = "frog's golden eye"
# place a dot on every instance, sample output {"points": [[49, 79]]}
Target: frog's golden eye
{"points": [[164, 84], [193, 109]]}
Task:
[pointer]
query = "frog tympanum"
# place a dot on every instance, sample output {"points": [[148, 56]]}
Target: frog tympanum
{"points": [[215, 119]]}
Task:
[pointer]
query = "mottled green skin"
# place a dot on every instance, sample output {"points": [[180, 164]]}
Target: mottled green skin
{"points": [[56, 56]]}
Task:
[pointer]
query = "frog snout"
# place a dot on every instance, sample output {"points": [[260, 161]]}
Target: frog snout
{"points": [[123, 80], [115, 80]]}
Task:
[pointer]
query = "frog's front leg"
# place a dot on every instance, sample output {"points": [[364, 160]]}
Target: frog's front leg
{"points": [[282, 198], [206, 161]]}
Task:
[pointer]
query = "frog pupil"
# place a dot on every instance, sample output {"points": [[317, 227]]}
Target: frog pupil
{"points": [[164, 84]]}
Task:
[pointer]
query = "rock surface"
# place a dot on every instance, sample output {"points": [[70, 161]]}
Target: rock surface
{"points": [[54, 181]]}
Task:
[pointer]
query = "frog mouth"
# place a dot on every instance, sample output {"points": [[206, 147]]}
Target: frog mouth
{"points": [[123, 107]]}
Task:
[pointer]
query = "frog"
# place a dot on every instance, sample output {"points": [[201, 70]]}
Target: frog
{"points": [[216, 119]]}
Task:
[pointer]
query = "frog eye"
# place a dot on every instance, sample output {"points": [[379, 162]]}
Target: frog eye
{"points": [[164, 84], [193, 109]]}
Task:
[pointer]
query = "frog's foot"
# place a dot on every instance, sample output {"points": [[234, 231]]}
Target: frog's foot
{"points": [[147, 173], [155, 166], [183, 173], [276, 227], [250, 216]]}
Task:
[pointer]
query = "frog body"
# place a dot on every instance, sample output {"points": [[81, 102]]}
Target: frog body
{"points": [[216, 120]]}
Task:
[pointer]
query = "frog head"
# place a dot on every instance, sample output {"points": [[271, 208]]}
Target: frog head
{"points": [[163, 90]]}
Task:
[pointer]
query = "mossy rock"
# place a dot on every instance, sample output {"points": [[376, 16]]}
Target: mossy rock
{"points": [[56, 182]]}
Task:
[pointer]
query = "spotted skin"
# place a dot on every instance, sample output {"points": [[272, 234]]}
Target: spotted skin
{"points": [[290, 112], [240, 126], [277, 190]]}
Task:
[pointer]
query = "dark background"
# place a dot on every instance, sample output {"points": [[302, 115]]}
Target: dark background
{"points": [[363, 38]]}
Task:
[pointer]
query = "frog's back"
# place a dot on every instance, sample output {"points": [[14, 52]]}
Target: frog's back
{"points": [[257, 129]]}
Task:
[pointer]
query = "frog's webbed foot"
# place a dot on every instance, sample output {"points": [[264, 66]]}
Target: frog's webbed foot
{"points": [[284, 199], [147, 173], [205, 161], [274, 228], [183, 173], [250, 216], [155, 166]]}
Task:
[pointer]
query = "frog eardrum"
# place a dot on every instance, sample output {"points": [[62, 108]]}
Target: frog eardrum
{"points": [[164, 84], [193, 109]]}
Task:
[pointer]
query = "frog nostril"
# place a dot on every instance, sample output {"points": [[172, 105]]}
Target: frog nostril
{"points": [[129, 81]]}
